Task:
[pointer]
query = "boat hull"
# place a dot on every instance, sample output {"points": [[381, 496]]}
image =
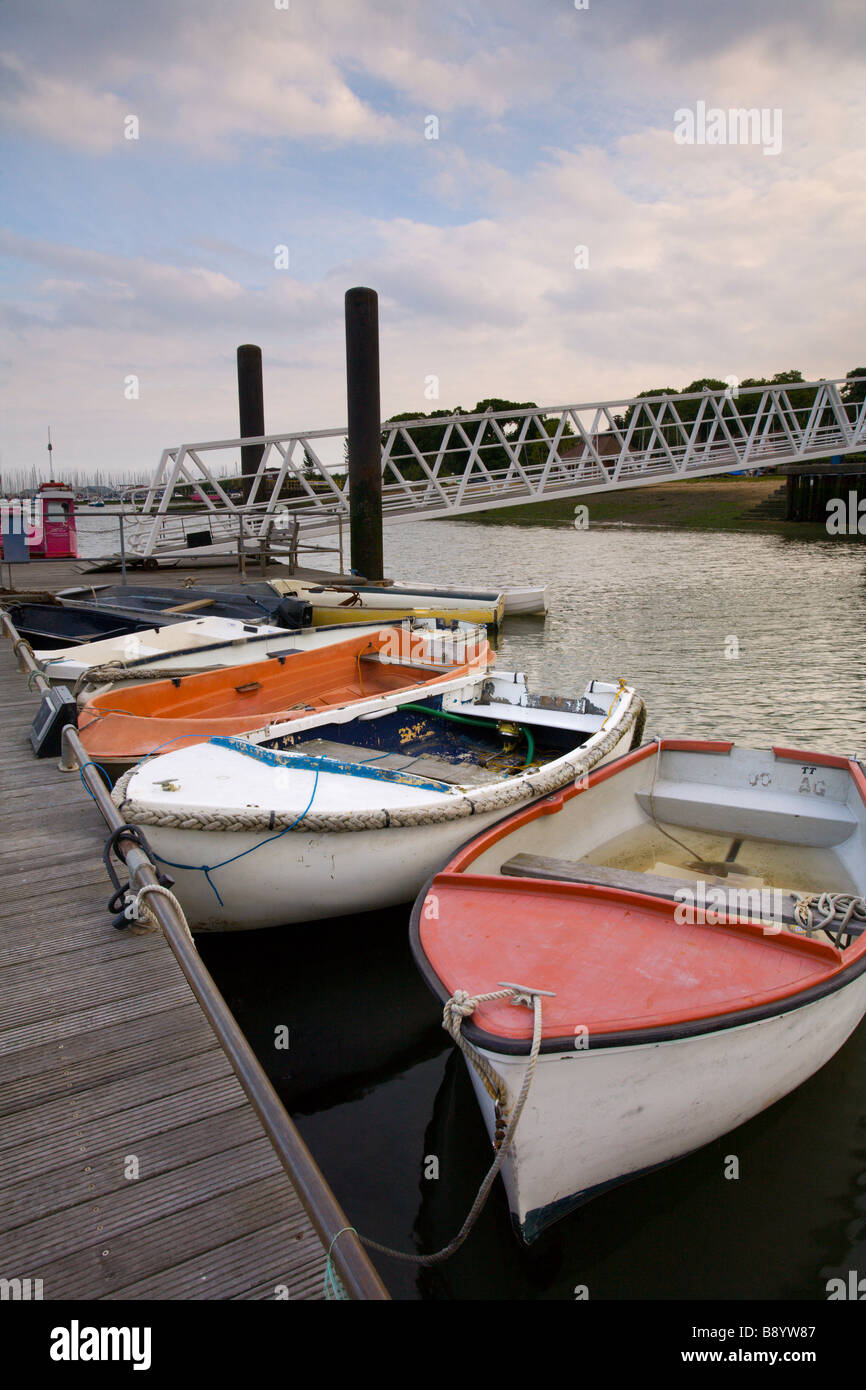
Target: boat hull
{"points": [[378, 603], [251, 603], [50, 625], [598, 1117], [300, 878]]}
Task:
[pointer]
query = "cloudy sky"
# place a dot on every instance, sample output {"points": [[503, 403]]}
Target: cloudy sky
{"points": [[306, 124]]}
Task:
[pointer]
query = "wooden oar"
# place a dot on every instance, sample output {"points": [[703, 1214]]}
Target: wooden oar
{"points": [[189, 607]]}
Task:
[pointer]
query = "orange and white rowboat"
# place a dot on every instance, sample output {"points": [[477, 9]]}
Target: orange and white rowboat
{"points": [[692, 921], [121, 726]]}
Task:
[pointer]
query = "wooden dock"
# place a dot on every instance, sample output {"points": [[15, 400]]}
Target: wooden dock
{"points": [[132, 1164], [813, 487]]}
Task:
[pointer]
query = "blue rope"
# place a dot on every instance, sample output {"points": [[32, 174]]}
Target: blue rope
{"points": [[208, 869], [142, 760], [84, 784]]}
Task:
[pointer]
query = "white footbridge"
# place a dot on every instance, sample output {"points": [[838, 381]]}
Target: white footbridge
{"points": [[458, 464]]}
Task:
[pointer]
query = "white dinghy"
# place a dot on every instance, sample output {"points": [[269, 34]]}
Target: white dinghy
{"points": [[387, 603], [350, 811], [688, 932]]}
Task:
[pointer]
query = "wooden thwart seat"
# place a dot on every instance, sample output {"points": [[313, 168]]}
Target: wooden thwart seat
{"points": [[582, 871]]}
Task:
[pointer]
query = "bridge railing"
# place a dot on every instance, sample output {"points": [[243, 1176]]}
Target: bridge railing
{"points": [[462, 463]]}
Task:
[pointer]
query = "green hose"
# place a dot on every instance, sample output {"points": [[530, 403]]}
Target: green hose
{"points": [[530, 745], [481, 723], [447, 714]]}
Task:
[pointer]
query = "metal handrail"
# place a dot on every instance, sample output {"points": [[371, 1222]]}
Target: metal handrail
{"points": [[475, 462], [351, 1262]]}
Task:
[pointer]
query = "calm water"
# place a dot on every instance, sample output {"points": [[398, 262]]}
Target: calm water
{"points": [[373, 1081]]}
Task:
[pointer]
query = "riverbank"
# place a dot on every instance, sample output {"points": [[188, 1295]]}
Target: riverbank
{"points": [[698, 504]]}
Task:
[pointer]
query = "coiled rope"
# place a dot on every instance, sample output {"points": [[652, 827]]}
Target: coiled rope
{"points": [[461, 1005], [837, 909]]}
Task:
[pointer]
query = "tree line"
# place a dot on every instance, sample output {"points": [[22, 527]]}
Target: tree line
{"points": [[428, 438]]}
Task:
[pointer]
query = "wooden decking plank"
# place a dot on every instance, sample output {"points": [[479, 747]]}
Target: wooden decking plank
{"points": [[66, 940], [64, 881], [194, 1233], [80, 1049], [83, 911], [130, 1127], [136, 1202], [57, 1077], [70, 850], [54, 993], [234, 1266], [113, 1100], [76, 1182], [27, 1034]]}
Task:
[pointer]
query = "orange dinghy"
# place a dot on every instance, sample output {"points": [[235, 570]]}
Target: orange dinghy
{"points": [[119, 728]]}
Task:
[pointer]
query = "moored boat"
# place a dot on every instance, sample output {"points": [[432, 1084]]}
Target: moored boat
{"points": [[350, 813], [691, 921], [389, 602], [208, 644], [526, 600], [251, 603], [518, 600], [50, 625], [175, 644], [263, 697]]}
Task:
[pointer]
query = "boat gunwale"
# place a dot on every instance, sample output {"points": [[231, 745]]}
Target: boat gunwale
{"points": [[256, 632]]}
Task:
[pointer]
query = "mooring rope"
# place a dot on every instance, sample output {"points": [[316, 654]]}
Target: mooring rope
{"points": [[113, 675], [333, 1286], [140, 915], [22, 643], [460, 1006], [838, 910]]}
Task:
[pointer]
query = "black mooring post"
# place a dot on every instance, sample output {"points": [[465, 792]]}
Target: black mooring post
{"points": [[365, 448], [251, 410]]}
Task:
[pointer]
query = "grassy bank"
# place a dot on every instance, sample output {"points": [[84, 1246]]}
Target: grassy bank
{"points": [[700, 504]]}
